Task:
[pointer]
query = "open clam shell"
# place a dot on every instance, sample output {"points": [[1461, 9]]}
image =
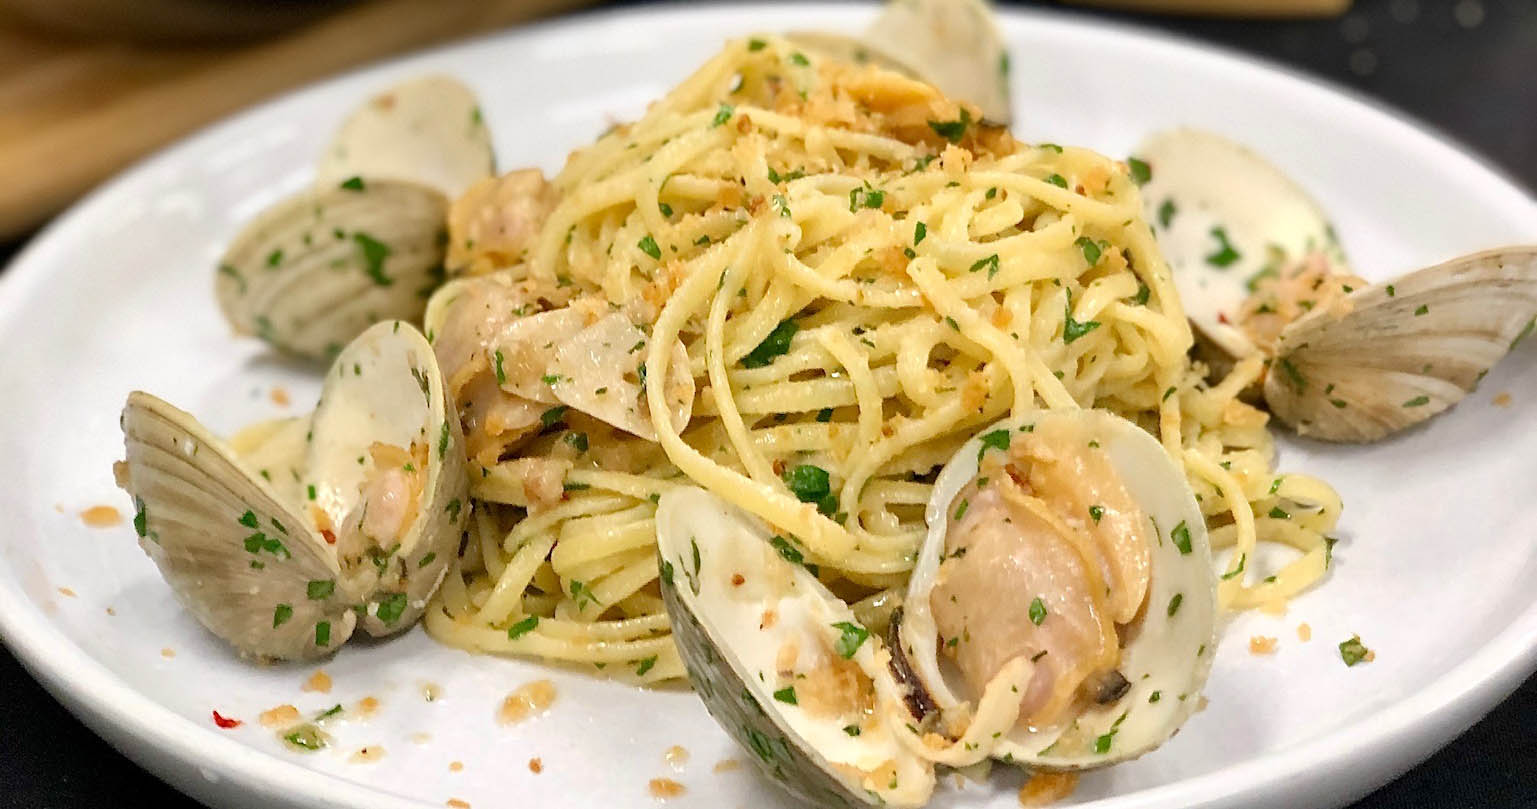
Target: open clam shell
{"points": [[952, 44], [385, 440], [233, 550], [1130, 701], [284, 577], [780, 662], [1223, 216], [315, 270], [427, 130], [1395, 354]]}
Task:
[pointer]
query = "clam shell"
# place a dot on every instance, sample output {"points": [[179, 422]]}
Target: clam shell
{"points": [[598, 372], [952, 44], [1209, 183], [315, 270], [730, 652], [426, 130], [1168, 654], [235, 554], [385, 387], [274, 451], [1398, 353]]}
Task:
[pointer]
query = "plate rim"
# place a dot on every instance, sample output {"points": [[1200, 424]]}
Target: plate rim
{"points": [[196, 758]]}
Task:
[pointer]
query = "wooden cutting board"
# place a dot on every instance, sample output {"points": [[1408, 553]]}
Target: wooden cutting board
{"points": [[72, 113]]}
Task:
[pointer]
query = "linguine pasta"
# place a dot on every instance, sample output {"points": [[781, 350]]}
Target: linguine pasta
{"points": [[837, 276]]}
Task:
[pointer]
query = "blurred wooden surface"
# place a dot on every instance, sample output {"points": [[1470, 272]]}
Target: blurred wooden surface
{"points": [[74, 112]]}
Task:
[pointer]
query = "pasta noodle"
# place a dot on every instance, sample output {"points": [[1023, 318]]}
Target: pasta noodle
{"points": [[861, 276]]}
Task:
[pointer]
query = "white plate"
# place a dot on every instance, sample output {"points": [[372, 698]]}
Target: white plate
{"points": [[1434, 571]]}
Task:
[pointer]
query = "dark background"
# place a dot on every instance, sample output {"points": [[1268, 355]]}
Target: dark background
{"points": [[1466, 67]]}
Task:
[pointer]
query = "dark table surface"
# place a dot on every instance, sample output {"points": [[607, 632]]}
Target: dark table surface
{"points": [[1468, 68]]}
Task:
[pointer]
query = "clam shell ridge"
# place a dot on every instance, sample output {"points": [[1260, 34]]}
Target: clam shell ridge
{"points": [[1398, 353], [236, 556], [315, 270]]}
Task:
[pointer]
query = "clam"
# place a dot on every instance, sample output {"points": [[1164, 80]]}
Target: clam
{"points": [[1070, 541], [952, 44], [315, 270], [781, 663], [511, 348], [367, 242], [427, 130], [1261, 273], [280, 576], [1061, 615]]}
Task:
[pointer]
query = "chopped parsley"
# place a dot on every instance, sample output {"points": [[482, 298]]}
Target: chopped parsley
{"points": [[551, 417], [997, 439], [1091, 251], [1297, 380], [811, 484], [1181, 537], [323, 633], [648, 246], [501, 374], [1095, 513], [722, 115], [920, 231], [1278, 513], [391, 607], [1354, 652], [1243, 558], [1056, 180], [852, 730], [866, 197], [374, 254], [1072, 329], [1225, 254], [1423, 310], [644, 665], [280, 615], [352, 184], [1141, 172], [318, 589], [577, 441], [952, 131], [1037, 611], [1418, 401], [777, 343], [990, 263], [1174, 603], [786, 695], [851, 637]]}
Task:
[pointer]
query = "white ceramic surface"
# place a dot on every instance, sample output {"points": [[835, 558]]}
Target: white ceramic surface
{"points": [[1434, 569]]}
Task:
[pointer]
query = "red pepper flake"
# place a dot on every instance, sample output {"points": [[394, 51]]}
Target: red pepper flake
{"points": [[225, 722], [330, 537], [1222, 318]]}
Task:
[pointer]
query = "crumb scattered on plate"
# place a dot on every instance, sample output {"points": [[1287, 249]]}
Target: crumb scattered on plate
{"points": [[421, 738], [367, 754], [727, 765], [676, 756], [319, 681], [101, 517], [111, 611], [431, 692], [528, 700], [664, 788], [1502, 399], [281, 716], [367, 707], [457, 804], [455, 766], [1045, 788], [279, 396], [168, 653], [1262, 645], [1304, 632], [66, 592], [536, 765]]}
